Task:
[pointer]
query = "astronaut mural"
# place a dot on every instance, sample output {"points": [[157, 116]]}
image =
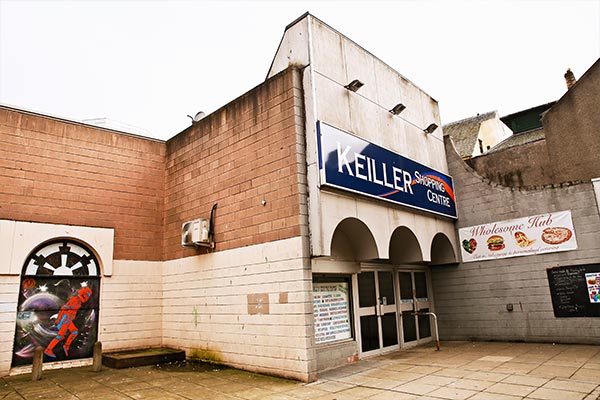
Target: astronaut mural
{"points": [[58, 303]]}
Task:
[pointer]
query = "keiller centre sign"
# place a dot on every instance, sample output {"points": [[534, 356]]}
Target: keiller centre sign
{"points": [[351, 163]]}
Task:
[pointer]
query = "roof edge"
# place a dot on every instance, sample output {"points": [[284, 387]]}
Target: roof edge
{"points": [[76, 122]]}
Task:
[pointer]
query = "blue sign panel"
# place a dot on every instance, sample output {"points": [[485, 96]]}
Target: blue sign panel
{"points": [[351, 163]]}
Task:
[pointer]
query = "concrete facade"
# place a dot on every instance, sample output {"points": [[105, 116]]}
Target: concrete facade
{"points": [[353, 235], [331, 60]]}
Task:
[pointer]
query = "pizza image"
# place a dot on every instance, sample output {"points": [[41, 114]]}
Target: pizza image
{"points": [[556, 235], [522, 239]]}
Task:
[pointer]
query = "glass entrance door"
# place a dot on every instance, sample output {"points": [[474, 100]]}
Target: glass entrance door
{"points": [[377, 311], [414, 303]]}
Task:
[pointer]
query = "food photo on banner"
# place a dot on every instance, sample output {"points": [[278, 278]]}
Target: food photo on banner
{"points": [[538, 234]]}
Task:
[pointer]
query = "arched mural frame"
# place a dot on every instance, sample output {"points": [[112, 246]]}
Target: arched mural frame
{"points": [[59, 300]]}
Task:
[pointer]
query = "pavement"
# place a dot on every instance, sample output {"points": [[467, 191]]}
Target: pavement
{"points": [[460, 370]]}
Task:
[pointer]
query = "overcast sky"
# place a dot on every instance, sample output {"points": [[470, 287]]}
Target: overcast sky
{"points": [[151, 63]]}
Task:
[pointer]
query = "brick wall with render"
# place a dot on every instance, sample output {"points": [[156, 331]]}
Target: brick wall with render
{"points": [[471, 298], [248, 303], [252, 150], [62, 172]]}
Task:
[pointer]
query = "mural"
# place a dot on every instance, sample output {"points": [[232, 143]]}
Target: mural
{"points": [[58, 303]]}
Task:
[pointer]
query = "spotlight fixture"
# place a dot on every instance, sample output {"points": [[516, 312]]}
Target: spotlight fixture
{"points": [[398, 108], [354, 85], [430, 128]]}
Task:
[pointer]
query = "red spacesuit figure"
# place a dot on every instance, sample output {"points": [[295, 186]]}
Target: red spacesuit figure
{"points": [[64, 321]]}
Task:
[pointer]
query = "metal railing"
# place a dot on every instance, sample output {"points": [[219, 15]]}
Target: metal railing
{"points": [[435, 326]]}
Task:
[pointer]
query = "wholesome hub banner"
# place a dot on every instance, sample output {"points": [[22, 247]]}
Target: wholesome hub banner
{"points": [[353, 164], [538, 234]]}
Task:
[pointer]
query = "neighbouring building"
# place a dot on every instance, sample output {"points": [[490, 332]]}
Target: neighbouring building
{"points": [[310, 222], [477, 135], [552, 143]]}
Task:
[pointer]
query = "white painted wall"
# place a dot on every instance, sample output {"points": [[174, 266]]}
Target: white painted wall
{"points": [[208, 308], [130, 295], [203, 304], [131, 306], [9, 296], [18, 239]]}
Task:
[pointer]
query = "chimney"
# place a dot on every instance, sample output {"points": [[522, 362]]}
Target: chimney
{"points": [[570, 79]]}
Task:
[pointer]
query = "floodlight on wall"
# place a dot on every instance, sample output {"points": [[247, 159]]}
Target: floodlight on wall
{"points": [[398, 108], [430, 128], [354, 85]]}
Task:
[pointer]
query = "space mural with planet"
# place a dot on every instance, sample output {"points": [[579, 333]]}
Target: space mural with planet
{"points": [[45, 305]]}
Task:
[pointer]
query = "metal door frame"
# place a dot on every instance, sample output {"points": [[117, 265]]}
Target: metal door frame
{"points": [[416, 305], [378, 310]]}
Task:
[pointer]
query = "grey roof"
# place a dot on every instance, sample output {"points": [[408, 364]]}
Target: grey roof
{"points": [[464, 132], [519, 139]]}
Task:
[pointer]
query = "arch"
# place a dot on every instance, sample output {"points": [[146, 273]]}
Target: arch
{"points": [[353, 241], [59, 301], [442, 251], [405, 247], [62, 257]]}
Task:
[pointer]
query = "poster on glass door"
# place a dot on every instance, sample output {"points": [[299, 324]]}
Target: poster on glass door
{"points": [[331, 312]]}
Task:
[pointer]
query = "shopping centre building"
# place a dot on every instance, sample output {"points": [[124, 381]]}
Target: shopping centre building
{"points": [[319, 218]]}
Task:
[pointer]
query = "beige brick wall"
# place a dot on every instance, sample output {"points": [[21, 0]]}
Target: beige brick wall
{"points": [[61, 172], [130, 309], [9, 293], [131, 306], [249, 307]]}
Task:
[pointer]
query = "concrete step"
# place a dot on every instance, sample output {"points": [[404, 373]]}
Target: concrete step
{"points": [[141, 357]]}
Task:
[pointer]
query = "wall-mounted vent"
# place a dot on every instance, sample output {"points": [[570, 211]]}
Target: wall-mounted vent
{"points": [[199, 232], [196, 233]]}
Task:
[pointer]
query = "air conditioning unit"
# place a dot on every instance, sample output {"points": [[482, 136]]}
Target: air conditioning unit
{"points": [[196, 233]]}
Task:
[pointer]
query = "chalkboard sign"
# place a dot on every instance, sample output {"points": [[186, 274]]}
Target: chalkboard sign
{"points": [[575, 290]]}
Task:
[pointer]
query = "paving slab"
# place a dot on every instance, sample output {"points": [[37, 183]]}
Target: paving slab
{"points": [[460, 370]]}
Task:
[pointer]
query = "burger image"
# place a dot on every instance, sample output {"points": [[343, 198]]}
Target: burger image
{"points": [[495, 243]]}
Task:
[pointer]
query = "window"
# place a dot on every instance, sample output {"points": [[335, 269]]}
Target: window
{"points": [[332, 308]]}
